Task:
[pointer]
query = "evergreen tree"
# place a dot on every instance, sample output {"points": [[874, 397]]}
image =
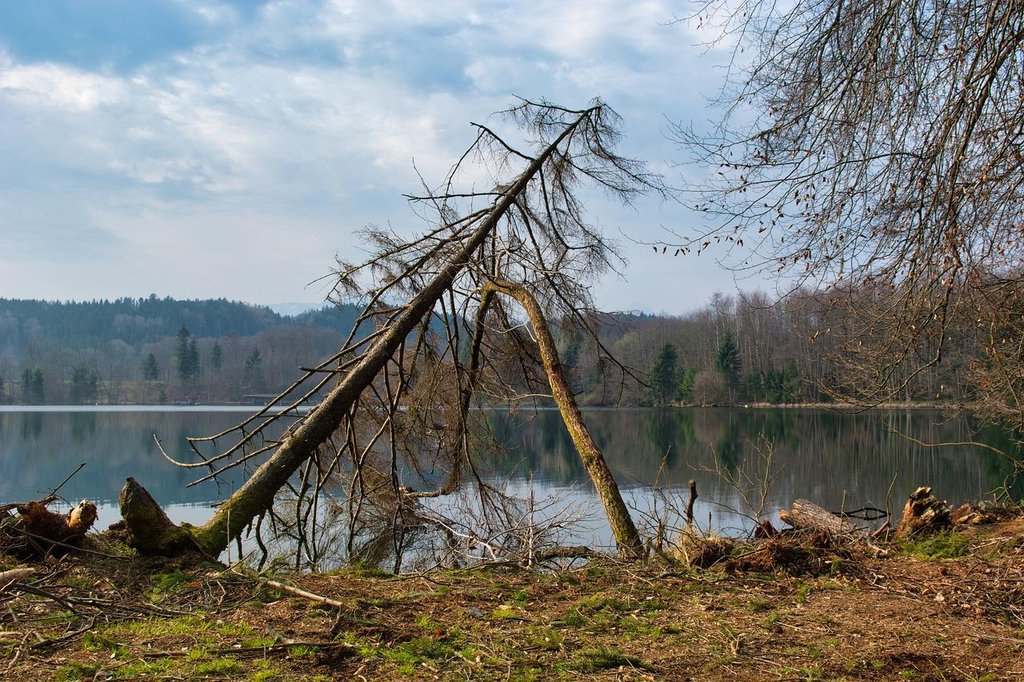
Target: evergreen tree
{"points": [[183, 355], [150, 368], [26, 385], [84, 385], [216, 356], [253, 373], [727, 362], [684, 393], [193, 358], [663, 375], [37, 391]]}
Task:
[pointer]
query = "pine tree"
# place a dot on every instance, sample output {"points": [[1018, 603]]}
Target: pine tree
{"points": [[150, 368], [727, 362], [84, 385], [183, 355], [253, 373], [216, 356], [37, 390], [193, 358], [687, 378], [663, 375]]}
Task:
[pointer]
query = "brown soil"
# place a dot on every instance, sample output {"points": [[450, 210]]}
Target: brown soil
{"points": [[847, 615]]}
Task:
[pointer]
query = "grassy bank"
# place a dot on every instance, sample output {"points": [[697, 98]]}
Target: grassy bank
{"points": [[949, 608]]}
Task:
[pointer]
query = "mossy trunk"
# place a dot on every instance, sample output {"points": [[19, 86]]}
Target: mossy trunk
{"points": [[148, 528], [627, 538]]}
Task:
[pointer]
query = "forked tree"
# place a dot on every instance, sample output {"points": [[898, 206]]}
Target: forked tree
{"points": [[433, 340]]}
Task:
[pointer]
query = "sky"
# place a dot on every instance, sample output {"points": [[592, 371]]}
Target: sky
{"points": [[206, 148]]}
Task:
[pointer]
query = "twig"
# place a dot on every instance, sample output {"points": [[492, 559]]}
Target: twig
{"points": [[70, 476]]}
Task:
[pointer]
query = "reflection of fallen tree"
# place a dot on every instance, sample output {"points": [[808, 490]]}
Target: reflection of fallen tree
{"points": [[404, 381]]}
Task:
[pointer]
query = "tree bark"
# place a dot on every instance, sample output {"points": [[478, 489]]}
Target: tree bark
{"points": [[807, 515], [149, 530], [256, 495], [923, 514], [627, 538]]}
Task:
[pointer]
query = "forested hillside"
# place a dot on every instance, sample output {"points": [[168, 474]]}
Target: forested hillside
{"points": [[750, 348], [735, 349], [156, 349]]}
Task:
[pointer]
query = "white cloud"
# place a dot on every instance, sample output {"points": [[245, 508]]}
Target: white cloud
{"points": [[267, 143]]}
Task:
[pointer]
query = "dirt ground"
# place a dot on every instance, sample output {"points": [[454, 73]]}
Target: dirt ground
{"points": [[950, 608]]}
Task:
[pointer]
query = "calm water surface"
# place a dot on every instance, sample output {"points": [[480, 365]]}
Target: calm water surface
{"points": [[837, 459]]}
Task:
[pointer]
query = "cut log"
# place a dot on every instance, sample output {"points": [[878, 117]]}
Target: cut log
{"points": [[923, 514], [808, 516], [148, 528]]}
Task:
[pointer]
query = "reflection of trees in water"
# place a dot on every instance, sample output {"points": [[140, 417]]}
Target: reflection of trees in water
{"points": [[83, 424], [31, 425], [729, 451], [663, 429], [821, 455]]}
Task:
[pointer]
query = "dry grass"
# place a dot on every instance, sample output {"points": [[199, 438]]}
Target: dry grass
{"points": [[852, 616]]}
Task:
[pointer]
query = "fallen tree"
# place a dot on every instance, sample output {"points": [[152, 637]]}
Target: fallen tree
{"points": [[405, 379]]}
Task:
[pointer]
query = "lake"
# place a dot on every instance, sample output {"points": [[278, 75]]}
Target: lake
{"points": [[841, 460]]}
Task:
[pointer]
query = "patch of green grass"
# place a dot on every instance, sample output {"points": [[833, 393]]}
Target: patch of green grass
{"points": [[418, 650], [146, 669], [574, 619], [544, 638], [265, 672], [218, 666], [596, 659], [945, 545], [363, 571], [802, 590], [166, 584], [72, 672], [521, 596], [162, 627], [94, 641], [758, 605], [303, 651], [505, 612], [600, 603]]}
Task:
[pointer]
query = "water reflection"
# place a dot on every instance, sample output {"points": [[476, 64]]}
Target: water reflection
{"points": [[836, 459]]}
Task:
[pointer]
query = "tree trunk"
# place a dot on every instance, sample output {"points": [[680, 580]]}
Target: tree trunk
{"points": [[257, 494], [623, 529]]}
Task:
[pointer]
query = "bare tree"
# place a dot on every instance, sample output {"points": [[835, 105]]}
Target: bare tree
{"points": [[430, 341], [874, 147]]}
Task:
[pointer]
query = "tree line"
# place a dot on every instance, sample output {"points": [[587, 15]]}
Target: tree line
{"points": [[85, 353], [735, 349]]}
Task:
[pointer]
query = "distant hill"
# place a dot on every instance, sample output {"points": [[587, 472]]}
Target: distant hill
{"points": [[137, 321]]}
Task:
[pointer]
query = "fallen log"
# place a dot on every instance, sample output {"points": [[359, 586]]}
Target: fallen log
{"points": [[806, 515]]}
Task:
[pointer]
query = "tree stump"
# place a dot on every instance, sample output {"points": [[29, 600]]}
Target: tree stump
{"points": [[38, 531], [923, 514], [148, 528]]}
